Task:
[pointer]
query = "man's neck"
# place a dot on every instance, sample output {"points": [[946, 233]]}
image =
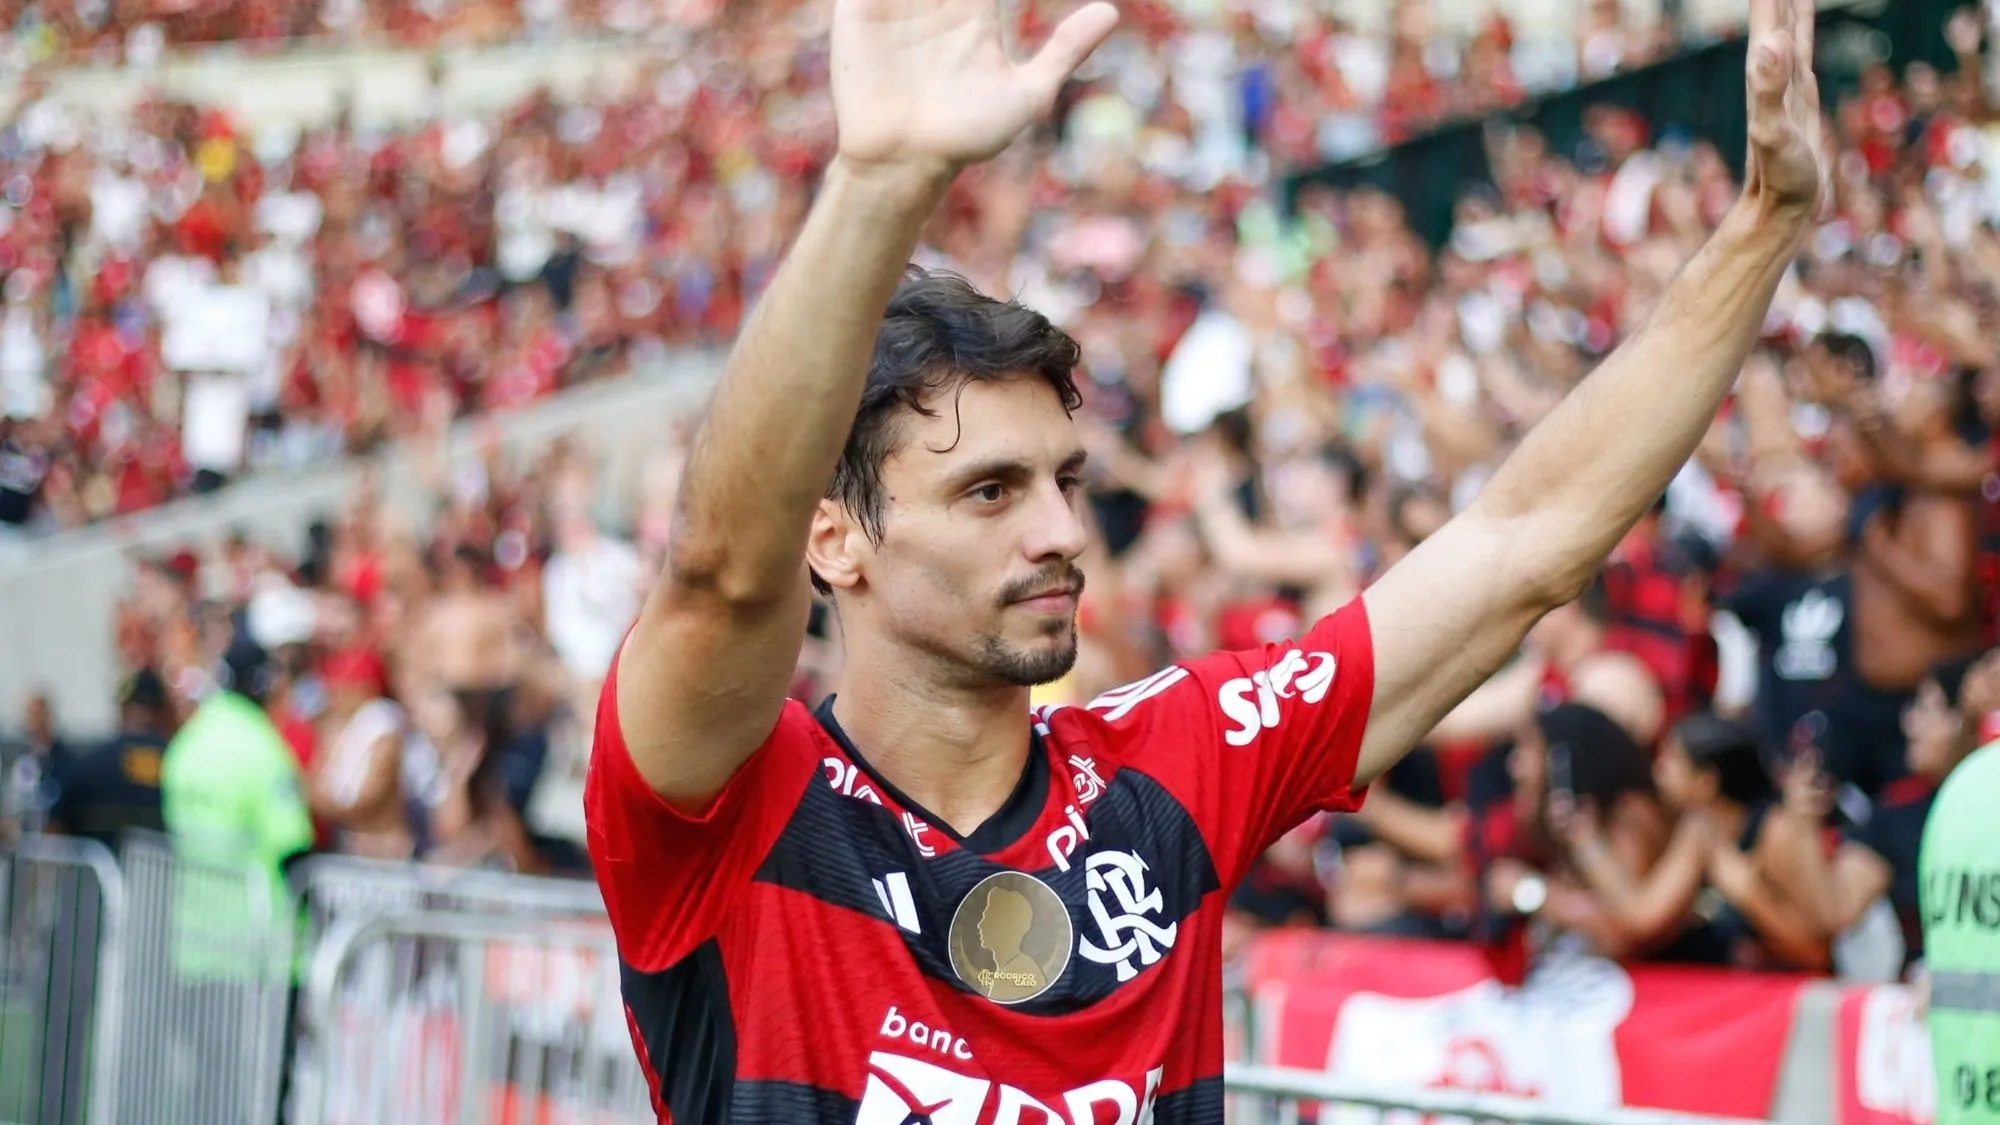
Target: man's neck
{"points": [[957, 753]]}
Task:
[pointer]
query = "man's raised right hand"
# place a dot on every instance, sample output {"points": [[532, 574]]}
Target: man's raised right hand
{"points": [[927, 85]]}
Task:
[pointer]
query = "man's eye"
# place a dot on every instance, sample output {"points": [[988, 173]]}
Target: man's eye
{"points": [[989, 493]]}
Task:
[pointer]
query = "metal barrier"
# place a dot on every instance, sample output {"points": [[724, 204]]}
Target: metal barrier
{"points": [[1262, 1095], [343, 893], [479, 1018], [62, 917], [209, 964]]}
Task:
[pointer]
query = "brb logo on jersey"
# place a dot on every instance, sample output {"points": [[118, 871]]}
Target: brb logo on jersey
{"points": [[1251, 702], [906, 1091], [1127, 935]]}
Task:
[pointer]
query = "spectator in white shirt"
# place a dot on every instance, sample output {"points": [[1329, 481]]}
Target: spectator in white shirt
{"points": [[590, 597]]}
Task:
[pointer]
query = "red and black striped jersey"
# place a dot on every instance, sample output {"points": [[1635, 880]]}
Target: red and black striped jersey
{"points": [[817, 948]]}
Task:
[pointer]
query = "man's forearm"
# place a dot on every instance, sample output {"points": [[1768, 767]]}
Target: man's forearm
{"points": [[1599, 460], [780, 417]]}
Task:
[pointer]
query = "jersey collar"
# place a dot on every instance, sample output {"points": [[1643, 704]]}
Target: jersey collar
{"points": [[1001, 830]]}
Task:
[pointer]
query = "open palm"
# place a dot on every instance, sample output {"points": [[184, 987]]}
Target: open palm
{"points": [[930, 83], [1787, 164]]}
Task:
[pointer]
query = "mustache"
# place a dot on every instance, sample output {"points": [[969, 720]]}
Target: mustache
{"points": [[1065, 577]]}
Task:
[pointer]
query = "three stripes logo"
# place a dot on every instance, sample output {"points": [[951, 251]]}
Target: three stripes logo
{"points": [[897, 902]]}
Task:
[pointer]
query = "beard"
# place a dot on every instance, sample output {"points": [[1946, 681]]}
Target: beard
{"points": [[1028, 665], [1044, 660]]}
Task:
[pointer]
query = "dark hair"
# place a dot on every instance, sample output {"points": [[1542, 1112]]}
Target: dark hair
{"points": [[940, 333], [1731, 750], [1237, 431], [1600, 759], [1852, 351], [1339, 457]]}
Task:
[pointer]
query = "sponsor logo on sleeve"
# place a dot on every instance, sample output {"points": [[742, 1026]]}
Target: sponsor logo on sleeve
{"points": [[1254, 704]]}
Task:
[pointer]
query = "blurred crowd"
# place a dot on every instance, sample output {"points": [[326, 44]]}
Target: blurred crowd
{"points": [[1723, 753], [1608, 34], [187, 300]]}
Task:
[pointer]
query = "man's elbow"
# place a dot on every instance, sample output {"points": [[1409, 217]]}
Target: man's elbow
{"points": [[1550, 575], [711, 570], [1541, 558]]}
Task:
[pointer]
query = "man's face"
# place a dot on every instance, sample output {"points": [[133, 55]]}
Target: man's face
{"points": [[981, 532]]}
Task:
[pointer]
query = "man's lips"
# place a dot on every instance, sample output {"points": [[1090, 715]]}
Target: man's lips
{"points": [[1050, 600]]}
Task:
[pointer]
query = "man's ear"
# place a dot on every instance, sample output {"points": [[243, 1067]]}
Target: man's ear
{"points": [[835, 546]]}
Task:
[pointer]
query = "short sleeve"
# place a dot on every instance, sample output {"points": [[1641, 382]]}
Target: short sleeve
{"points": [[669, 878], [1252, 742]]}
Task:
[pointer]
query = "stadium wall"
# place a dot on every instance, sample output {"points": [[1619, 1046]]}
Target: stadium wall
{"points": [[58, 597], [385, 86]]}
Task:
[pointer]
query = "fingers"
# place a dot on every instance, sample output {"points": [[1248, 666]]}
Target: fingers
{"points": [[1805, 85], [1074, 39], [1770, 75], [1764, 17], [1805, 18]]}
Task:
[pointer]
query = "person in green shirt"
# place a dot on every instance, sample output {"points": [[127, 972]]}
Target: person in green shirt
{"points": [[1959, 872], [231, 790], [236, 815]]}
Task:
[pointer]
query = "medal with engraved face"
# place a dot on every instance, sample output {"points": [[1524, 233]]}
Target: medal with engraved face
{"points": [[1010, 938]]}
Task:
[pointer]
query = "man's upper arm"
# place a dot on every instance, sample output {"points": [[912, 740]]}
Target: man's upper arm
{"points": [[1444, 619], [669, 875], [702, 684]]}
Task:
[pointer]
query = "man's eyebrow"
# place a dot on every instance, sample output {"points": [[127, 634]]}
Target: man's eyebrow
{"points": [[1006, 469], [993, 468]]}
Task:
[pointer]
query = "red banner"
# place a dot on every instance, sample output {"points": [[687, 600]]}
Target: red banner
{"points": [[1583, 1032], [1882, 1054]]}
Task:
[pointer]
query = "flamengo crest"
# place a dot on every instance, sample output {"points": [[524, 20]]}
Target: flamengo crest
{"points": [[1127, 935]]}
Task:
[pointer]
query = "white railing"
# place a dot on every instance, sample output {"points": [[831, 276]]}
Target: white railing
{"points": [[431, 1017], [63, 915]]}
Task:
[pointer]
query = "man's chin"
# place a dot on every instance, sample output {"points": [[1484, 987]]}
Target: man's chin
{"points": [[1039, 662]]}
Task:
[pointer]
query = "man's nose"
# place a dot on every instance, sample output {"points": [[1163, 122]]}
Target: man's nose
{"points": [[1059, 530]]}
